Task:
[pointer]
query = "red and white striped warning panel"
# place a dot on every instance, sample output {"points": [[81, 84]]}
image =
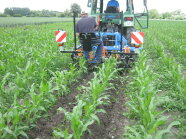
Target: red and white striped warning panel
{"points": [[61, 36], [137, 37]]}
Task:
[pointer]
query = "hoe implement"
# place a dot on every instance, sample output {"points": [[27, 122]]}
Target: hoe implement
{"points": [[116, 29]]}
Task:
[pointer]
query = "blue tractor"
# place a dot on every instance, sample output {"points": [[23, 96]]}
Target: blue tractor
{"points": [[116, 29]]}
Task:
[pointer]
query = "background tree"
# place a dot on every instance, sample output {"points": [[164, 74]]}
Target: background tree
{"points": [[178, 15], [153, 13], [177, 12], [166, 15], [8, 11], [75, 8], [68, 13], [16, 11]]}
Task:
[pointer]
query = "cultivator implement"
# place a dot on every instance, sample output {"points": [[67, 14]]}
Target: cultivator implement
{"points": [[115, 45], [116, 31]]}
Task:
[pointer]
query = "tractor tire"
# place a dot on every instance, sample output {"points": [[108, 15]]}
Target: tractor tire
{"points": [[127, 33]]}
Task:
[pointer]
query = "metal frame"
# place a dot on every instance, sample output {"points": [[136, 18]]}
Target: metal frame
{"points": [[75, 52], [121, 42]]}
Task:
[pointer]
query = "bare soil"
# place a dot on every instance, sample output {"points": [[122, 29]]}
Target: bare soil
{"points": [[112, 122], [44, 126]]}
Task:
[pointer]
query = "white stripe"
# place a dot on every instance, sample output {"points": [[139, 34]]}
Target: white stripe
{"points": [[138, 35], [64, 40], [133, 41], [59, 35]]}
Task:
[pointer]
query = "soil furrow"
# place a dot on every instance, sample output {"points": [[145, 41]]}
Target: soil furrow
{"points": [[44, 126], [112, 122]]}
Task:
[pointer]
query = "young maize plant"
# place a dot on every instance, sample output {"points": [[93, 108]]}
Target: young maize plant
{"points": [[173, 41], [170, 72], [19, 117], [84, 114], [105, 74], [143, 104], [64, 79], [26, 84], [170, 81]]}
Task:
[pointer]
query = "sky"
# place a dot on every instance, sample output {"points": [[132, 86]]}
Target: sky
{"points": [[61, 5]]}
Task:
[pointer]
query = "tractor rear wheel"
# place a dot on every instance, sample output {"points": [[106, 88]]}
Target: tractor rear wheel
{"points": [[127, 33]]}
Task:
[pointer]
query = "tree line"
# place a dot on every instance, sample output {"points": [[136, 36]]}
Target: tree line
{"points": [[175, 15], [19, 12], [75, 8]]}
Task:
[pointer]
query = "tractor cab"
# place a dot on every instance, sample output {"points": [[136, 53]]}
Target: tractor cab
{"points": [[132, 12], [122, 22]]}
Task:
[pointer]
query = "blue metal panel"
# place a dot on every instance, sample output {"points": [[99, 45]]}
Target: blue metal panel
{"points": [[117, 40]]}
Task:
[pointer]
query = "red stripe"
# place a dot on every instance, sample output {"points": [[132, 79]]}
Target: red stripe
{"points": [[136, 39], [142, 34], [57, 32], [62, 37]]}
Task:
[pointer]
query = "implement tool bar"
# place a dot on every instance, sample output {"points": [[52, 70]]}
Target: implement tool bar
{"points": [[109, 52]]}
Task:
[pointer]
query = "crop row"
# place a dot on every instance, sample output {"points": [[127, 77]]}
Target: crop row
{"points": [[87, 107], [171, 81], [172, 36], [28, 54], [143, 104], [31, 68], [23, 113], [167, 67], [158, 86]]}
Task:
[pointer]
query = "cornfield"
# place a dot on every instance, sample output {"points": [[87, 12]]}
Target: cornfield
{"points": [[35, 77]]}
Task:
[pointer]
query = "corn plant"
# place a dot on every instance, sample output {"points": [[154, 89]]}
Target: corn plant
{"points": [[28, 59], [139, 132], [63, 79], [169, 71], [167, 68], [78, 124], [11, 123], [58, 133], [84, 113], [143, 103]]}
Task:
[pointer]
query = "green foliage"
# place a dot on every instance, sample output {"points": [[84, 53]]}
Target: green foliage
{"points": [[153, 13], [43, 13], [84, 113], [139, 132], [64, 79], [15, 11], [175, 15], [75, 8], [68, 13], [3, 15], [167, 60], [143, 104], [166, 15], [19, 12], [62, 134], [22, 21], [30, 69]]}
